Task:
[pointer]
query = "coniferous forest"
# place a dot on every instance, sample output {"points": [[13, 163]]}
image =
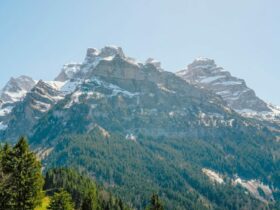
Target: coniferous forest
{"points": [[23, 186], [139, 105]]}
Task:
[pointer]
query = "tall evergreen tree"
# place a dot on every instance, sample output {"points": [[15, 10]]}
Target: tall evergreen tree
{"points": [[61, 201], [155, 203], [90, 202], [24, 190], [4, 183]]}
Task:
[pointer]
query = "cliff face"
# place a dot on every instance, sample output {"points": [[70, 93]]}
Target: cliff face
{"points": [[206, 74]]}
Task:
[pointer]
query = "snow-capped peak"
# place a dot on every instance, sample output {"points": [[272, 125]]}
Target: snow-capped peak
{"points": [[111, 51], [16, 88], [203, 59], [204, 73], [68, 71], [205, 64], [94, 54]]}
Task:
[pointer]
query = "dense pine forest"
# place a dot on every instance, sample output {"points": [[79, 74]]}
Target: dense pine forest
{"points": [[24, 187], [172, 170]]}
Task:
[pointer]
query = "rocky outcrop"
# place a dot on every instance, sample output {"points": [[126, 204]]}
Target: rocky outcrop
{"points": [[26, 113], [68, 72], [204, 73], [16, 89]]}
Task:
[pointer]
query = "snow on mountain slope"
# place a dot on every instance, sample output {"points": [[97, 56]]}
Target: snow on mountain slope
{"points": [[68, 71], [5, 110], [47, 93], [272, 116], [25, 113], [13, 92], [16, 89], [93, 57], [57, 85], [111, 64], [2, 126], [204, 73]]}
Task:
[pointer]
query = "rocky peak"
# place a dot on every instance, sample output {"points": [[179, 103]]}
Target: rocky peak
{"points": [[16, 88], [94, 54], [204, 73], [203, 62], [45, 90], [202, 67], [93, 57], [154, 62], [111, 51], [40, 99], [68, 72]]}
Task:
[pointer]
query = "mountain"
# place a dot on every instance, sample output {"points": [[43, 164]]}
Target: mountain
{"points": [[141, 98], [33, 106], [205, 74], [68, 72], [14, 91], [137, 129]]}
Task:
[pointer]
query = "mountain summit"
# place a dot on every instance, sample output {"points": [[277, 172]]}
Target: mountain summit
{"points": [[136, 128], [204, 73], [16, 89]]}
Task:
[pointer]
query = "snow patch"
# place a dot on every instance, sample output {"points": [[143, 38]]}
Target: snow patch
{"points": [[70, 86], [57, 85], [212, 79], [115, 89], [5, 111], [2, 126], [272, 116], [162, 87], [15, 96], [74, 99], [227, 83], [131, 137], [40, 106]]}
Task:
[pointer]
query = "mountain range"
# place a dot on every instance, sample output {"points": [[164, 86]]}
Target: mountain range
{"points": [[200, 137]]}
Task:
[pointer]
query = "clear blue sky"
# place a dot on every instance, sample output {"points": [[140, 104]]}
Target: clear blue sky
{"points": [[243, 36]]}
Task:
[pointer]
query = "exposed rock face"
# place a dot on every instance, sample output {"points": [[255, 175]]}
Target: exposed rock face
{"points": [[113, 97], [26, 113], [155, 63], [108, 81], [68, 72], [92, 59], [12, 93], [110, 70], [138, 97], [16, 89], [206, 74]]}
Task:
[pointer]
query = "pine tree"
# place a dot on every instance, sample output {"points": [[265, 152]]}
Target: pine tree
{"points": [[61, 201], [24, 190], [91, 201], [4, 183], [155, 203]]}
